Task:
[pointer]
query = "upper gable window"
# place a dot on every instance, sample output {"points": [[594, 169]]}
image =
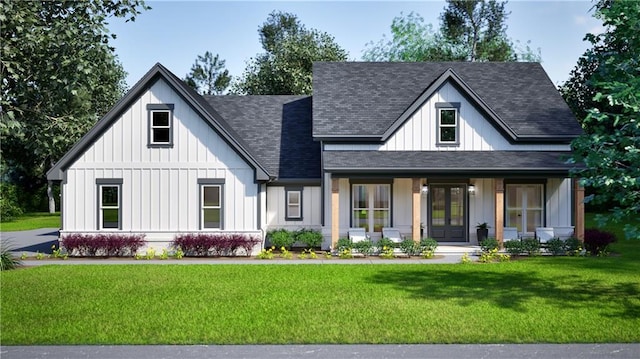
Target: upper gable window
{"points": [[448, 123], [160, 125]]}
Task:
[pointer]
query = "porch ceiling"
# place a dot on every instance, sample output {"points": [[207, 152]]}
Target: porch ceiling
{"points": [[448, 163]]}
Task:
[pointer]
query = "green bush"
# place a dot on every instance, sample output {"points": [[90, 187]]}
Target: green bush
{"points": [[344, 244], [364, 247], [9, 207], [489, 244], [281, 238], [428, 244], [531, 246], [385, 242], [409, 247], [556, 246], [514, 247], [573, 246], [312, 238]]}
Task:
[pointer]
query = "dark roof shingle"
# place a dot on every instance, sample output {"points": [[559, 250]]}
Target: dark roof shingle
{"points": [[277, 128], [366, 98]]}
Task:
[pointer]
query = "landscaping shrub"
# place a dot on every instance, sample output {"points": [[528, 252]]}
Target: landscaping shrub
{"points": [[364, 247], [409, 247], [281, 238], [385, 242], [514, 247], [111, 244], [428, 244], [556, 246], [312, 238], [7, 260], [531, 246], [597, 241], [573, 246], [214, 244], [489, 244], [344, 244]]}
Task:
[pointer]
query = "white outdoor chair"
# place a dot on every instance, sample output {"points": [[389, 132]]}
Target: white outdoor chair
{"points": [[357, 235], [392, 233], [544, 234], [509, 234], [563, 232]]}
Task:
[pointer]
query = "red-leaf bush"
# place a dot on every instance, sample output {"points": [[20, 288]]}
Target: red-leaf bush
{"points": [[597, 241], [108, 244], [214, 244]]}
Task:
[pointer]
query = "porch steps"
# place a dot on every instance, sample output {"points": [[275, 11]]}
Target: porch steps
{"points": [[454, 248]]}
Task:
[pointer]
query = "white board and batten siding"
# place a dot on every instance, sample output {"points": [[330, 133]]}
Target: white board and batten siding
{"points": [[418, 132], [311, 209], [160, 190]]}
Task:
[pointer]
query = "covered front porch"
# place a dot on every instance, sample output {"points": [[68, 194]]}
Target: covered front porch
{"points": [[449, 208]]}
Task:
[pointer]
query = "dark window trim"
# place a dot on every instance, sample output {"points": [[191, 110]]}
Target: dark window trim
{"points": [[164, 107], [448, 106], [288, 189], [210, 182], [111, 182]]}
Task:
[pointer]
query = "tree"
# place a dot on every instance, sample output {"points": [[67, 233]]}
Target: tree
{"points": [[58, 76], [610, 146], [469, 31], [411, 40], [285, 68], [208, 75]]}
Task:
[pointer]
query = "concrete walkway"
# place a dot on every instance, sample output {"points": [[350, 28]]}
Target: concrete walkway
{"points": [[494, 351]]}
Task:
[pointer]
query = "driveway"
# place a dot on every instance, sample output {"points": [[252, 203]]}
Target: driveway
{"points": [[30, 242]]}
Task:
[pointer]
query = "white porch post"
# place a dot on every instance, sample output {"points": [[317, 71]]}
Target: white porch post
{"points": [[335, 212], [415, 226]]}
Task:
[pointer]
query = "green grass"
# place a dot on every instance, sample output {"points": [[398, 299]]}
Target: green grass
{"points": [[30, 221], [546, 299]]}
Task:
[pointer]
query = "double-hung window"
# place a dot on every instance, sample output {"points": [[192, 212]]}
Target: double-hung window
{"points": [[293, 197], [211, 203], [160, 125], [448, 123], [371, 206], [109, 203]]}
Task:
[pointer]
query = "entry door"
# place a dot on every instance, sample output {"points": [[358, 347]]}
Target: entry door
{"points": [[448, 213]]}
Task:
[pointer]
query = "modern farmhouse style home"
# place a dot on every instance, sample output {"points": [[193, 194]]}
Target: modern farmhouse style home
{"points": [[430, 149]]}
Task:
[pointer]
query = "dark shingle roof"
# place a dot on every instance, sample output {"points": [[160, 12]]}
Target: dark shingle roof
{"points": [[448, 162], [365, 99], [277, 129]]}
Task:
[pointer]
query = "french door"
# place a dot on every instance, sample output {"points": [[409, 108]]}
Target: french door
{"points": [[448, 214]]}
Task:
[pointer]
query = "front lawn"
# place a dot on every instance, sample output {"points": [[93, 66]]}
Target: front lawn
{"points": [[546, 299], [29, 221]]}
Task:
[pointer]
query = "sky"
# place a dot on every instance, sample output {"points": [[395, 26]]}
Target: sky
{"points": [[174, 33]]}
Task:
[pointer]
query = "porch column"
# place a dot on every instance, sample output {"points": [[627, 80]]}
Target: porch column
{"points": [[499, 210], [579, 198], [415, 226], [335, 212]]}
